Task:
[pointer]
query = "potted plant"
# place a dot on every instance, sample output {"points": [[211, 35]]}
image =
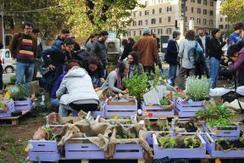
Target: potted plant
{"points": [[20, 94], [219, 121], [225, 148], [179, 146]]}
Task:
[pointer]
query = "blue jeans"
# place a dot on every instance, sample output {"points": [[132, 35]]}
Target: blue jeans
{"points": [[55, 102], [214, 71], [172, 74], [24, 72]]}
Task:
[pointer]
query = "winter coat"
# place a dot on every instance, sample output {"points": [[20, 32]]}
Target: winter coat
{"points": [[57, 43], [126, 51], [76, 86], [215, 48], [186, 54], [147, 50], [172, 52], [100, 51], [238, 66], [207, 40]]}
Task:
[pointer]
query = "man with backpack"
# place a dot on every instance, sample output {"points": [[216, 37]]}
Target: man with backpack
{"points": [[24, 48], [189, 55]]}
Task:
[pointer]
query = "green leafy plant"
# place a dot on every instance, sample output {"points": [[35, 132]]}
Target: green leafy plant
{"points": [[167, 142], [137, 85], [197, 89], [216, 115], [192, 142], [21, 92], [164, 101]]}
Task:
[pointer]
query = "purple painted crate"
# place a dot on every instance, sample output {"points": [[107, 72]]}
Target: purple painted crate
{"points": [[179, 152], [186, 109], [210, 144], [43, 150], [83, 151], [11, 108], [156, 111], [128, 151], [231, 132], [23, 105], [120, 110]]}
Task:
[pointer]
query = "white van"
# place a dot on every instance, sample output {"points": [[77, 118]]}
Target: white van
{"points": [[8, 63]]}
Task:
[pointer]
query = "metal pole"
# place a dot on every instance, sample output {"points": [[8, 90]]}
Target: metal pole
{"points": [[3, 32]]}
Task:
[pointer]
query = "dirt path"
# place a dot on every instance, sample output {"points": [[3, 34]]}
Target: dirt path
{"points": [[13, 140]]}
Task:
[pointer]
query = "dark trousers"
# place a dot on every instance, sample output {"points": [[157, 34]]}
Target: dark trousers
{"points": [[84, 107], [149, 70]]}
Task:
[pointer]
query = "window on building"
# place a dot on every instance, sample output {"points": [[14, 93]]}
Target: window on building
{"points": [[193, 1], [134, 13], [146, 22], [198, 21], [140, 32], [205, 2], [210, 22], [205, 11], [168, 31], [191, 18], [140, 13], [221, 19], [169, 8], [146, 12], [146, 3], [160, 10], [153, 11], [160, 20], [221, 27], [134, 23], [211, 12], [192, 9], [211, 3], [204, 21], [199, 11], [226, 26], [140, 23], [134, 33], [199, 1], [153, 21], [169, 19], [226, 19], [158, 31]]}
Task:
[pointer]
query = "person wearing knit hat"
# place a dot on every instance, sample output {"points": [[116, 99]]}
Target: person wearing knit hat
{"points": [[146, 31], [236, 54], [147, 49], [215, 53]]}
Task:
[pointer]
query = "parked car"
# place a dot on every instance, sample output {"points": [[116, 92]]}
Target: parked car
{"points": [[8, 63]]}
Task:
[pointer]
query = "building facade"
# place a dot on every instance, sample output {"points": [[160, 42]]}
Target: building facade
{"points": [[221, 20], [164, 16]]}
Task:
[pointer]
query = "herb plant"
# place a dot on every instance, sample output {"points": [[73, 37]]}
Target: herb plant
{"points": [[137, 85], [197, 89]]}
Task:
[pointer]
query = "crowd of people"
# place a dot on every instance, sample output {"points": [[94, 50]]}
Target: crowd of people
{"points": [[72, 74]]}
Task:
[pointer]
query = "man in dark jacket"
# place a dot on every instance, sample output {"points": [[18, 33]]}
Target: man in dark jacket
{"points": [[59, 41], [100, 49], [54, 60], [171, 57], [203, 41], [24, 48]]}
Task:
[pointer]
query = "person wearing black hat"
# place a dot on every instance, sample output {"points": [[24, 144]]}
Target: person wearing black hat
{"points": [[236, 54], [215, 53]]}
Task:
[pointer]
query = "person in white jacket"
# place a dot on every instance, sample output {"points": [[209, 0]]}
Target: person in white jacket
{"points": [[76, 91], [186, 57]]}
